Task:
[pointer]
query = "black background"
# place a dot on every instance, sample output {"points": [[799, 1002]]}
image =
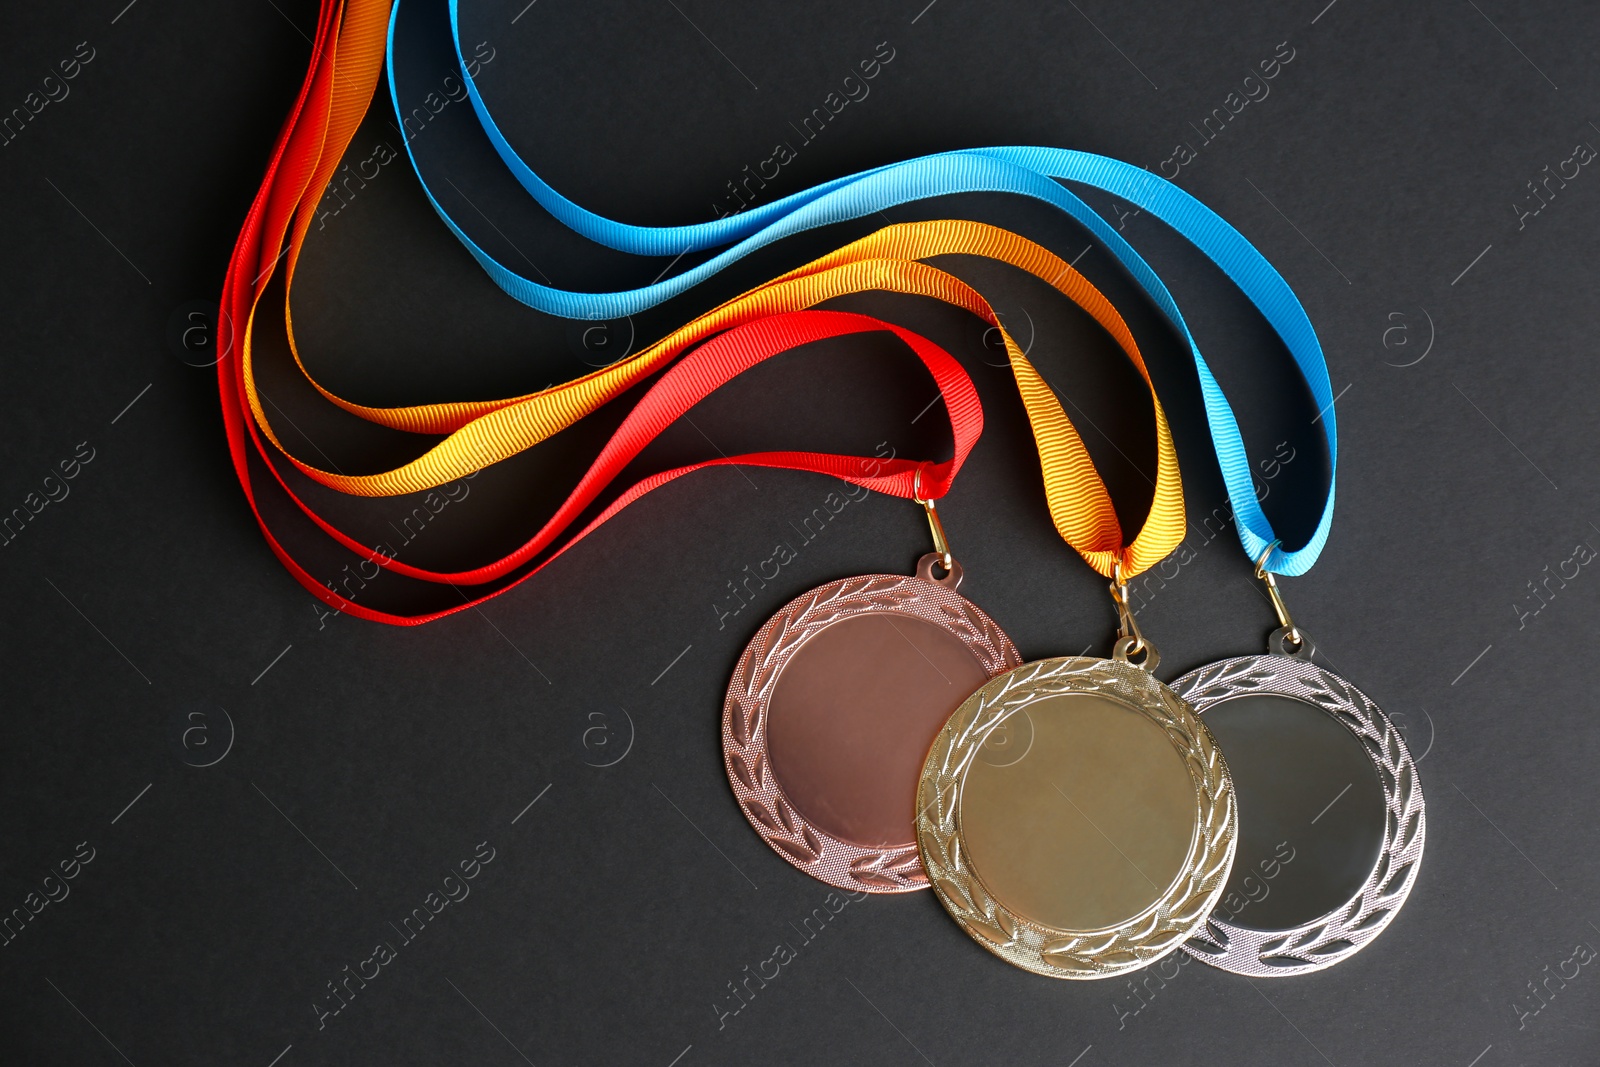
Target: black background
{"points": [[617, 908]]}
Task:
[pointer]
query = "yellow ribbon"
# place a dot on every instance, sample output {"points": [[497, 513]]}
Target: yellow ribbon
{"points": [[484, 432]]}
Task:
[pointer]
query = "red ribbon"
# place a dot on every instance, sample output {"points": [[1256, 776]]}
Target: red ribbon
{"points": [[695, 376]]}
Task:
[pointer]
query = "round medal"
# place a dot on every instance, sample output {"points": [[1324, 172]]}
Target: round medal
{"points": [[1096, 836], [1331, 808], [831, 710], [1074, 816]]}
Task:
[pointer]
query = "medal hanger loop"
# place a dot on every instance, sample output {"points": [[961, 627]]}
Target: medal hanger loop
{"points": [[940, 556], [1130, 641], [941, 544], [1288, 639]]}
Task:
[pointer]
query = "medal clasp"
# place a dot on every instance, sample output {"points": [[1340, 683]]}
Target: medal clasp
{"points": [[1288, 639], [1130, 641], [941, 544]]}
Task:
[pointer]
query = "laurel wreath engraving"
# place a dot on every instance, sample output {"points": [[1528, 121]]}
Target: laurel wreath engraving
{"points": [[1059, 953], [744, 720], [1335, 936]]}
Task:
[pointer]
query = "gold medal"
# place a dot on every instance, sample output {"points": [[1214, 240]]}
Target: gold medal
{"points": [[1075, 816]]}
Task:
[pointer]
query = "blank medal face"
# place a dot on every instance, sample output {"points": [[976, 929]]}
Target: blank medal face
{"points": [[1311, 811], [852, 715], [1076, 818], [830, 713], [1078, 812], [1332, 817]]}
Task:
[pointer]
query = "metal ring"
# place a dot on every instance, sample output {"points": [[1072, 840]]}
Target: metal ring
{"points": [[1261, 564], [1126, 648], [951, 579], [1292, 642]]}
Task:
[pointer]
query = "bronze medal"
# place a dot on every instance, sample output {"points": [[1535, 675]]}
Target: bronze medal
{"points": [[831, 710], [832, 707]]}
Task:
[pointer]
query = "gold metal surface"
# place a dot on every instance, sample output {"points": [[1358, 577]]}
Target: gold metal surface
{"points": [[1103, 848], [1058, 835]]}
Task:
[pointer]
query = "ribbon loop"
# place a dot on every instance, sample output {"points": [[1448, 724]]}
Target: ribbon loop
{"points": [[1034, 172], [477, 433]]}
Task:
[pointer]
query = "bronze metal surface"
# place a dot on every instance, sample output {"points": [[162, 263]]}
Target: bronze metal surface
{"points": [[852, 715], [830, 713]]}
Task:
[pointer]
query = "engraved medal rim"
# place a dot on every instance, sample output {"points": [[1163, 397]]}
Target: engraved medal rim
{"points": [[1316, 945], [1160, 928], [786, 830]]}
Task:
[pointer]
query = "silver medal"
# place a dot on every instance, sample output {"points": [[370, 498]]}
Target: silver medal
{"points": [[1331, 820]]}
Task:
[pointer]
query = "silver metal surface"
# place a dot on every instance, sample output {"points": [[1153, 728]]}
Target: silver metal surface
{"points": [[1346, 929]]}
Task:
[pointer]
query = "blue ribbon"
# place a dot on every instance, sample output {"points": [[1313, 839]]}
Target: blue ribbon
{"points": [[1021, 170]]}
